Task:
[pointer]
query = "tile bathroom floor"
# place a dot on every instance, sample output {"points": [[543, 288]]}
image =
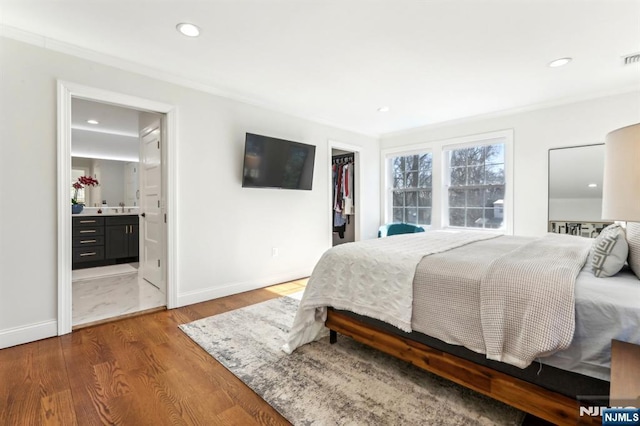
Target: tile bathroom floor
{"points": [[111, 291]]}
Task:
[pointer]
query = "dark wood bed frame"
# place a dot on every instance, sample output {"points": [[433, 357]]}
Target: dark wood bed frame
{"points": [[536, 400]]}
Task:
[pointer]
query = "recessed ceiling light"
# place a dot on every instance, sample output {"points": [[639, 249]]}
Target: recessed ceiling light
{"points": [[187, 29], [384, 109], [593, 185], [559, 62], [92, 121]]}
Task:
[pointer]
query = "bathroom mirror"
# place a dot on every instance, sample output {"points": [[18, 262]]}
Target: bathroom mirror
{"points": [[575, 189], [118, 181]]}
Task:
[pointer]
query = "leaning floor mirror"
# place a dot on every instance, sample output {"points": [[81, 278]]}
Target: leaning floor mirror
{"points": [[575, 190]]}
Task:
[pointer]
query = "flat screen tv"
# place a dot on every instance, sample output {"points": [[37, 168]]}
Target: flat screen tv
{"points": [[277, 163]]}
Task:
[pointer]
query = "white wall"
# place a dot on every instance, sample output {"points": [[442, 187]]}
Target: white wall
{"points": [[224, 233], [535, 132]]}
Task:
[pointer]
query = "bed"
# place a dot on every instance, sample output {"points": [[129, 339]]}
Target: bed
{"points": [[412, 297]]}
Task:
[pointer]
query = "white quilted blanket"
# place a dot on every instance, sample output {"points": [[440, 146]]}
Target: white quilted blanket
{"points": [[372, 278]]}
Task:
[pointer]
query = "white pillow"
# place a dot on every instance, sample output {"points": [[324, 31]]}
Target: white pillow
{"points": [[609, 251], [633, 238]]}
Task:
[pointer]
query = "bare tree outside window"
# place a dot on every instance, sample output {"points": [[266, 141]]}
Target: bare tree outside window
{"points": [[477, 186], [411, 196]]}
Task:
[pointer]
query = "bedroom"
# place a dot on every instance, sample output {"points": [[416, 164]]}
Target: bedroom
{"points": [[239, 227]]}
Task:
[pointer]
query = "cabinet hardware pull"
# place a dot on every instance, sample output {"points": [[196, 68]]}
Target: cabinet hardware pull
{"points": [[93, 253], [87, 221], [126, 229], [87, 241], [89, 231]]}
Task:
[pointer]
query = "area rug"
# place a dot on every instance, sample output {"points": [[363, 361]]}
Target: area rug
{"points": [[346, 383]]}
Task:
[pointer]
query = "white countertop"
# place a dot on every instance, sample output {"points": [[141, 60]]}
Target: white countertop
{"points": [[106, 214], [108, 211]]}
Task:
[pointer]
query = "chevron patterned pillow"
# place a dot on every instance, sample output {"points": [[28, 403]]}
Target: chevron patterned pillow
{"points": [[609, 251]]}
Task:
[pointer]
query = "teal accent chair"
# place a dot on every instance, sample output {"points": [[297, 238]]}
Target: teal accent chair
{"points": [[398, 228]]}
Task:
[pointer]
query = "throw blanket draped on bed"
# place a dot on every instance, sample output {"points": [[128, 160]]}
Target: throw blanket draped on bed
{"points": [[372, 278], [527, 302], [518, 305]]}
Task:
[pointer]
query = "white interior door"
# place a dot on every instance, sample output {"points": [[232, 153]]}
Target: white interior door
{"points": [[151, 205]]}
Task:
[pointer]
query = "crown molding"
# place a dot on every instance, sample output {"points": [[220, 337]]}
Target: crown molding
{"points": [[514, 111], [130, 66], [134, 67]]}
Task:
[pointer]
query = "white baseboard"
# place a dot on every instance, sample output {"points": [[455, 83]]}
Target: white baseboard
{"points": [[210, 293], [45, 329], [28, 333]]}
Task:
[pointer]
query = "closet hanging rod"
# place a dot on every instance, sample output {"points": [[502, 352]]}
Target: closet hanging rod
{"points": [[341, 159]]}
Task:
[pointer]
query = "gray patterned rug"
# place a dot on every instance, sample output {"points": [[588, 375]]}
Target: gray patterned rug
{"points": [[342, 384]]}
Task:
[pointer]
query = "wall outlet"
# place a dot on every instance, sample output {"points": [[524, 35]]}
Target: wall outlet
{"points": [[274, 252]]}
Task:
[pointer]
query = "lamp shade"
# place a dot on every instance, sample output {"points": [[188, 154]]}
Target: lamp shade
{"points": [[621, 185]]}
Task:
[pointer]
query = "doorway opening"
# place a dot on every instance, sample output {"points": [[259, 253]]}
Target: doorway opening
{"points": [[113, 255], [119, 148], [342, 168], [344, 190]]}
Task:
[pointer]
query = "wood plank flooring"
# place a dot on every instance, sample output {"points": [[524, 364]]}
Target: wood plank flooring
{"points": [[136, 371]]}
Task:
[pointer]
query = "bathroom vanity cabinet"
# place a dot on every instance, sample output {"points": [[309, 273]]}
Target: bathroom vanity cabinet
{"points": [[104, 240], [121, 237]]}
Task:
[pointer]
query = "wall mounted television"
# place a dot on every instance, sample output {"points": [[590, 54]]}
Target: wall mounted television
{"points": [[277, 163]]}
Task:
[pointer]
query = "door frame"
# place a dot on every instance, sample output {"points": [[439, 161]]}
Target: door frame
{"points": [[66, 91], [356, 185]]}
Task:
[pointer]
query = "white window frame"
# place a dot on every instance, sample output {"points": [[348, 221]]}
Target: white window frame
{"points": [[440, 199], [82, 193], [387, 188]]}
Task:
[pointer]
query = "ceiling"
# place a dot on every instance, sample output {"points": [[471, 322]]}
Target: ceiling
{"points": [[337, 62], [114, 137]]}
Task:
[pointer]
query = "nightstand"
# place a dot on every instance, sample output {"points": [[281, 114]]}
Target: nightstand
{"points": [[625, 374]]}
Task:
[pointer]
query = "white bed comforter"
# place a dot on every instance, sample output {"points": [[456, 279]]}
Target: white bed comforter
{"points": [[372, 278]]}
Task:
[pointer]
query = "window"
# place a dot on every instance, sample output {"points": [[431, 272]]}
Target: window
{"points": [[411, 177], [476, 187], [75, 174], [465, 182]]}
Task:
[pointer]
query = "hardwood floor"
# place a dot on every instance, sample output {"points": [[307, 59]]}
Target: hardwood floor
{"points": [[136, 371]]}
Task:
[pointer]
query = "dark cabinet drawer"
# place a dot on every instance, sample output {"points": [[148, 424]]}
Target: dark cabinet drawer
{"points": [[103, 240], [121, 220], [88, 241], [88, 254], [87, 231], [93, 221]]}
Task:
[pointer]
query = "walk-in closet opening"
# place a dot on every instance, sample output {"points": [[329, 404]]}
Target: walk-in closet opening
{"points": [[343, 196]]}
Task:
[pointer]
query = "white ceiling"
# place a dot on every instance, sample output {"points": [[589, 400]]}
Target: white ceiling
{"points": [[115, 137], [336, 62], [116, 120]]}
